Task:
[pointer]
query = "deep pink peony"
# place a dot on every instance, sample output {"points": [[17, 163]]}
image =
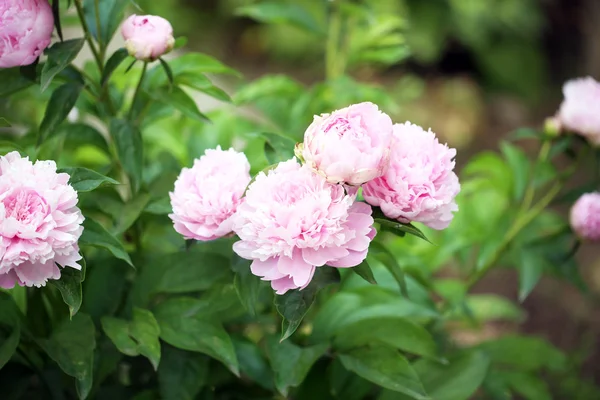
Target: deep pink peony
{"points": [[350, 145], [147, 37], [580, 110], [585, 217], [25, 31], [420, 184], [207, 195], [39, 222], [293, 221]]}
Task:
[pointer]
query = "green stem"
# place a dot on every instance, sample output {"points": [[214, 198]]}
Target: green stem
{"points": [[332, 61], [137, 90], [88, 36], [530, 191]]}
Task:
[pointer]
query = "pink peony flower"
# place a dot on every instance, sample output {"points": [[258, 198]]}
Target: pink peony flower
{"points": [[25, 31], [580, 110], [350, 145], [147, 37], [40, 222], [207, 195], [420, 184], [293, 221], [585, 217]]}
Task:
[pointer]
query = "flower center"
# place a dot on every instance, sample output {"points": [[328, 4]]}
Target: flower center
{"points": [[26, 206], [340, 126]]}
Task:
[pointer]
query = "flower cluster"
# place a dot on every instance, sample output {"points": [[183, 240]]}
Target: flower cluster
{"points": [[299, 217], [25, 31], [40, 222]]}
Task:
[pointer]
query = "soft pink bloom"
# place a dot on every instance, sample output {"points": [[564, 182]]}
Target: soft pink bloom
{"points": [[293, 221], [420, 184], [580, 110], [207, 195], [147, 37], [585, 217], [25, 31], [350, 145], [40, 222]]}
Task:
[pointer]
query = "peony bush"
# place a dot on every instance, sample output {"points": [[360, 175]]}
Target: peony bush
{"points": [[299, 241]]}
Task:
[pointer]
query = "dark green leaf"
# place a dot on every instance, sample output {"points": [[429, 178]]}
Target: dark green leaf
{"points": [[247, 285], [56, 14], [389, 261], [86, 180], [69, 286], [278, 147], [195, 332], [161, 206], [525, 353], [397, 227], [527, 385], [291, 363], [385, 367], [531, 268], [96, 235], [294, 304], [364, 271], [253, 364], [4, 123], [192, 271], [11, 81], [399, 333], [9, 345], [181, 374], [128, 141], [61, 103], [139, 336], [113, 62], [130, 212], [72, 346], [111, 15], [282, 13], [199, 63], [519, 164], [181, 101], [346, 385], [79, 134], [60, 55], [167, 69]]}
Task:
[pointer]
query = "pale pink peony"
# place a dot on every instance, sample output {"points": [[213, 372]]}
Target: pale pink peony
{"points": [[580, 110], [40, 222], [585, 217], [25, 31], [207, 195], [147, 37], [293, 221], [350, 145], [420, 184]]}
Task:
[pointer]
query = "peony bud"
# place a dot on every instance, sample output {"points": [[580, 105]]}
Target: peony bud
{"points": [[585, 217], [147, 37], [25, 31], [420, 184], [350, 145], [580, 110]]}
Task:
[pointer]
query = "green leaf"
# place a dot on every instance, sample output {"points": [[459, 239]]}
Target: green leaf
{"points": [[385, 367], [60, 55], [253, 364], [181, 101], [192, 271], [9, 345], [530, 387], [278, 147], [457, 380], [139, 336], [111, 15], [160, 206], [113, 63], [96, 235], [61, 102], [399, 333], [130, 212], [291, 363], [268, 86], [247, 285], [489, 307], [282, 13], [531, 268], [346, 385], [389, 261], [525, 353], [72, 346], [167, 69], [69, 286], [4, 123], [195, 331], [396, 227], [79, 134], [294, 304], [181, 374], [86, 180], [519, 164], [199, 63], [364, 271], [128, 141], [11, 81]]}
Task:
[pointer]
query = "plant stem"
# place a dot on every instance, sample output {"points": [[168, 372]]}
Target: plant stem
{"points": [[137, 90], [332, 61], [88, 36], [99, 30], [530, 191]]}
